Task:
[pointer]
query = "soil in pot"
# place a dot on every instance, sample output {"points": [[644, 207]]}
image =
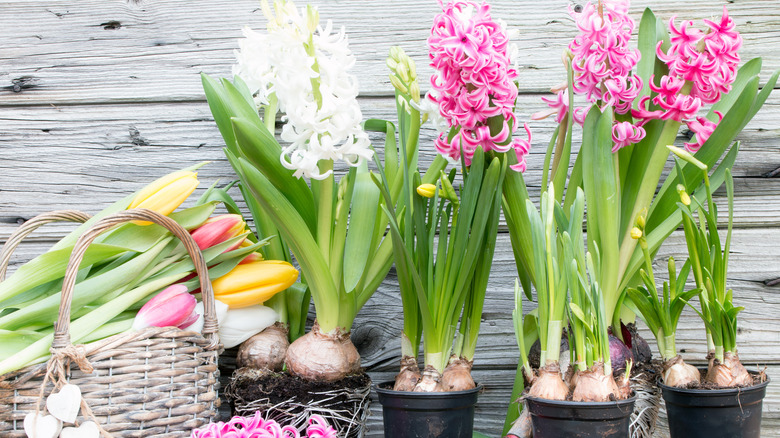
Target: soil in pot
{"points": [[290, 400], [706, 411], [427, 414]]}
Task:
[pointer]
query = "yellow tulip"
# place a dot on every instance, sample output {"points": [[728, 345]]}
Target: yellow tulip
{"points": [[254, 283], [167, 193]]}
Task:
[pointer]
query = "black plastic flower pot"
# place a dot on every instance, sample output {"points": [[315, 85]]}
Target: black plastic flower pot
{"points": [[555, 419], [733, 412], [427, 414]]}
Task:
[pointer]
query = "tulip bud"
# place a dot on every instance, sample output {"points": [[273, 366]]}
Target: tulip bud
{"points": [[241, 324], [200, 310], [173, 307], [219, 229], [166, 194], [254, 283], [426, 190]]}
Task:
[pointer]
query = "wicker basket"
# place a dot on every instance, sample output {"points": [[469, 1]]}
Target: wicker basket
{"points": [[157, 382]]}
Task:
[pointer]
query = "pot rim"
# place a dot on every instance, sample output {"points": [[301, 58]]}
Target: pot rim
{"points": [[567, 403], [716, 392], [393, 393]]}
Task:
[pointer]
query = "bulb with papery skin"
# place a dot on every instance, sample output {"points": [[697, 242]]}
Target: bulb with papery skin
{"points": [[173, 307], [219, 229]]}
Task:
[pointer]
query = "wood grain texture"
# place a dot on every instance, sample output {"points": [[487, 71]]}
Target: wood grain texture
{"points": [[54, 157], [97, 98], [126, 51]]}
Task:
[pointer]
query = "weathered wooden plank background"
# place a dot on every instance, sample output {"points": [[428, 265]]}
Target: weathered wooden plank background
{"points": [[98, 97]]}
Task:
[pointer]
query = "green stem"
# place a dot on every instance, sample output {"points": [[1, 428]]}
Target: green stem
{"points": [[269, 113], [670, 349], [325, 210], [554, 334], [719, 353], [647, 189]]}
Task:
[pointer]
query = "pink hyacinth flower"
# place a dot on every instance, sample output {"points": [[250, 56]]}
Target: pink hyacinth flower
{"points": [[219, 229], [173, 307], [521, 148], [703, 128], [319, 428], [473, 83], [624, 134]]}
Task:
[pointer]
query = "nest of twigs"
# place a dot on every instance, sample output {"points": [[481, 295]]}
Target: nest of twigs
{"points": [[648, 399], [290, 400]]}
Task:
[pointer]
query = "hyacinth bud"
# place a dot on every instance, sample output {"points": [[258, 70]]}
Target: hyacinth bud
{"points": [[173, 307], [400, 86], [403, 72], [684, 197], [391, 63], [636, 233], [312, 18], [254, 283], [412, 67], [166, 194], [426, 190], [414, 91], [219, 229], [396, 53]]}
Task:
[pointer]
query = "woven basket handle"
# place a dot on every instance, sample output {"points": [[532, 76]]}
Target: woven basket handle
{"points": [[62, 326], [31, 225]]}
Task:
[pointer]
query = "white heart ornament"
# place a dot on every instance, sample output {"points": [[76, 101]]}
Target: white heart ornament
{"points": [[41, 426], [65, 404], [88, 429]]}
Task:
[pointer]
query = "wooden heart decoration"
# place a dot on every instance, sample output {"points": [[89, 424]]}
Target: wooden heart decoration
{"points": [[65, 404], [88, 429], [41, 426]]}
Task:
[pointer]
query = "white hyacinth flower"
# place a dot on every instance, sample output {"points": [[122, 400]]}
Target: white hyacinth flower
{"points": [[306, 67]]}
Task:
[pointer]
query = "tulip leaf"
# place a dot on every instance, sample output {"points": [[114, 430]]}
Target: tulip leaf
{"points": [[218, 194], [51, 266], [85, 292], [83, 326], [71, 237], [140, 238]]}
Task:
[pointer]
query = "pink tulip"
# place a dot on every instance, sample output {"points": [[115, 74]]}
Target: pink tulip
{"points": [[219, 229], [173, 307]]}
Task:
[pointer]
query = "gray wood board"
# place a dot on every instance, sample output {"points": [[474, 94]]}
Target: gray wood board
{"points": [[126, 51], [87, 156], [97, 98]]}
